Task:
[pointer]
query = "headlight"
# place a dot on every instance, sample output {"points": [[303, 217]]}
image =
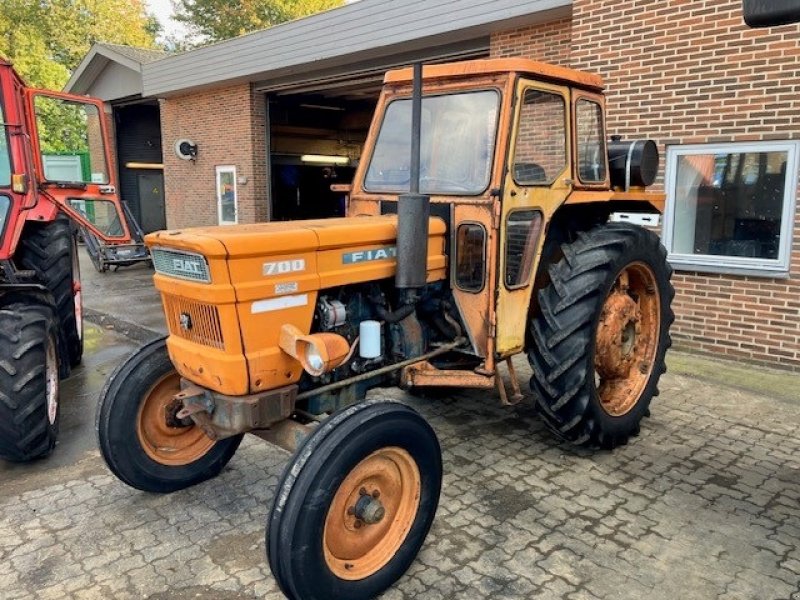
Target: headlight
{"points": [[314, 358]]}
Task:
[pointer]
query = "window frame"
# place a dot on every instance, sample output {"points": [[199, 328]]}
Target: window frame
{"points": [[734, 265], [454, 269], [514, 140], [532, 273], [4, 125], [600, 101], [220, 169]]}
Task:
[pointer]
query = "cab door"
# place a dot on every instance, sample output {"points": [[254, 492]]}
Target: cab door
{"points": [[73, 163], [537, 182]]}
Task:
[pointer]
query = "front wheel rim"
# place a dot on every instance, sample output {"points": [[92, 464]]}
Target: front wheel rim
{"points": [[372, 514], [626, 340], [162, 442]]}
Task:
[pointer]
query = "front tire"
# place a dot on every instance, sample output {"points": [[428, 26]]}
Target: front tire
{"points": [[138, 444], [598, 343], [355, 504], [29, 382]]}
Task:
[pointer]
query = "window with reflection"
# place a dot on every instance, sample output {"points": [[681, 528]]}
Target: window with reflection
{"points": [[5, 150], [522, 237], [70, 141], [731, 206], [540, 153], [456, 146], [591, 150], [470, 257], [103, 214]]}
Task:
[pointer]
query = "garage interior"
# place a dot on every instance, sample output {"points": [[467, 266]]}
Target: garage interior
{"points": [[316, 141]]}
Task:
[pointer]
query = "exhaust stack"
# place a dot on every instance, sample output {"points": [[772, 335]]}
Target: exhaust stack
{"points": [[413, 211]]}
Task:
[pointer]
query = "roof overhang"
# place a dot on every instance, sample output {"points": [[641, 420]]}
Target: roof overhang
{"points": [[126, 71], [344, 40]]}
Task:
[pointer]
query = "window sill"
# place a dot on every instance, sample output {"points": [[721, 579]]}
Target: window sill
{"points": [[764, 272]]}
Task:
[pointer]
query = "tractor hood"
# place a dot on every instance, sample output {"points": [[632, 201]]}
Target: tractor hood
{"points": [[228, 290]]}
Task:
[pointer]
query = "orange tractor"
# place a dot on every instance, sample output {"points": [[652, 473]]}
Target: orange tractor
{"points": [[54, 175], [478, 228]]}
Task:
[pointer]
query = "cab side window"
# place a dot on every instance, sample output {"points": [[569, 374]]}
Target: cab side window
{"points": [[540, 153], [591, 143]]}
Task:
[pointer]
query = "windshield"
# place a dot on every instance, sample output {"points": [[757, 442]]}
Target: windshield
{"points": [[457, 145], [5, 153]]}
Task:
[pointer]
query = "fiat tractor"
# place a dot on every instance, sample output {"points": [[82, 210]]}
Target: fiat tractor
{"points": [[54, 177], [478, 228]]}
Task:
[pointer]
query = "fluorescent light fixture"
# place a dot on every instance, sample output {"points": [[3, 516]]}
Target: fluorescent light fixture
{"points": [[323, 107], [325, 159]]}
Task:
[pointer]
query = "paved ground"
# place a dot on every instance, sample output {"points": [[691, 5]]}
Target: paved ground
{"points": [[704, 504]]}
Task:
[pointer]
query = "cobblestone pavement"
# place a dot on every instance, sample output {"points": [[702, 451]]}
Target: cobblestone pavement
{"points": [[704, 504]]}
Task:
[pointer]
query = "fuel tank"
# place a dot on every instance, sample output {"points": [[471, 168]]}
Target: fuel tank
{"points": [[227, 290]]}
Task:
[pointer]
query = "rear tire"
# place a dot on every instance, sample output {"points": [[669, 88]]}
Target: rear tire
{"points": [[51, 250], [139, 447], [29, 382], [599, 339], [317, 545]]}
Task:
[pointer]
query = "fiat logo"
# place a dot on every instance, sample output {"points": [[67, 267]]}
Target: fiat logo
{"points": [[186, 321]]}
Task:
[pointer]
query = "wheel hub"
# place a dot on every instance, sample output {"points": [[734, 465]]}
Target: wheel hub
{"points": [[626, 340], [371, 514]]}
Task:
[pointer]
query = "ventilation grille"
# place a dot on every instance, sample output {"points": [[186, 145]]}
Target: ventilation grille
{"points": [[183, 265], [194, 321]]}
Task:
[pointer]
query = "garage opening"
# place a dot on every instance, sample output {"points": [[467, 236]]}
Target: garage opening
{"points": [[316, 142]]}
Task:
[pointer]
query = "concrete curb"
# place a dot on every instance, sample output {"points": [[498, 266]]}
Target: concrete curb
{"points": [[134, 332]]}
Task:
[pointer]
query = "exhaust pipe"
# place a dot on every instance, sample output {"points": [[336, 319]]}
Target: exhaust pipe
{"points": [[413, 212]]}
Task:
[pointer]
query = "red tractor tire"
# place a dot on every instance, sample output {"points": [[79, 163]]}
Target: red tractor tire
{"points": [[51, 250]]}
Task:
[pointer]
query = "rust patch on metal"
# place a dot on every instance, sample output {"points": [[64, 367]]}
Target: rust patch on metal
{"points": [[627, 338]]}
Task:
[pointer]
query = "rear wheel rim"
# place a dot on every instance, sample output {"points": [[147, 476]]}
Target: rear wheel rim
{"points": [[165, 444], [51, 381], [389, 480], [76, 293], [626, 340]]}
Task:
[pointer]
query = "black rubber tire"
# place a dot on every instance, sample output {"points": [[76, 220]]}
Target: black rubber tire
{"points": [[310, 481], [563, 333], [50, 250], [27, 332], [116, 418]]}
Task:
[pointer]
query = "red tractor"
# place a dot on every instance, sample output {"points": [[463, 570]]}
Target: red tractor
{"points": [[55, 174]]}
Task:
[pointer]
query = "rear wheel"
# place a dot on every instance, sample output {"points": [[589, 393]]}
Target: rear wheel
{"points": [[29, 382], [141, 439], [51, 251], [355, 504], [599, 340]]}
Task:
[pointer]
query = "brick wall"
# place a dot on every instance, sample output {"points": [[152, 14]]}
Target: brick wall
{"points": [[549, 42], [690, 71], [228, 127]]}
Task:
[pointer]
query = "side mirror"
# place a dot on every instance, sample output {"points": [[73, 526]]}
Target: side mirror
{"points": [[769, 13]]}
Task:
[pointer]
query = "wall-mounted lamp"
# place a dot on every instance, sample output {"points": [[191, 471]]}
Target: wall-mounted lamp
{"points": [[324, 159]]}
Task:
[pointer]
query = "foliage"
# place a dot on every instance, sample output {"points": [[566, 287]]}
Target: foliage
{"points": [[47, 39], [216, 20]]}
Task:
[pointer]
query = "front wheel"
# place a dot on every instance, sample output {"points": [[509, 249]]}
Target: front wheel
{"points": [[598, 343], [29, 381], [355, 504], [140, 437]]}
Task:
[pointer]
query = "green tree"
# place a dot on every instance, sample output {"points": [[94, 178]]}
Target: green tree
{"points": [[215, 20], [47, 39]]}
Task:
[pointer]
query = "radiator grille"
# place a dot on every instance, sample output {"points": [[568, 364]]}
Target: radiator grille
{"points": [[194, 321], [183, 265]]}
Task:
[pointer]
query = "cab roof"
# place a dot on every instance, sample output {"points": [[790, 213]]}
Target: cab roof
{"points": [[523, 66]]}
